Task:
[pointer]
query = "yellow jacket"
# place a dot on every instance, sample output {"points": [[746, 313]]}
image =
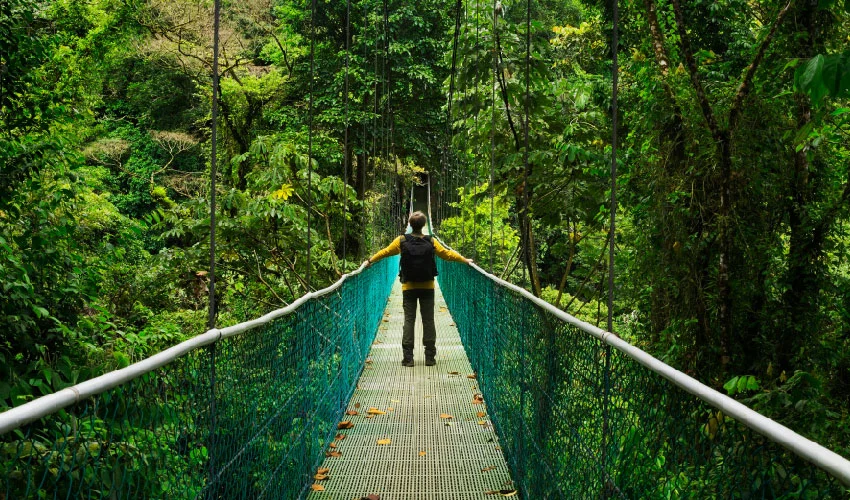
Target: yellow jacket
{"points": [[442, 252]]}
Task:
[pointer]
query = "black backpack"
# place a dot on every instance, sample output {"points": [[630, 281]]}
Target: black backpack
{"points": [[417, 259]]}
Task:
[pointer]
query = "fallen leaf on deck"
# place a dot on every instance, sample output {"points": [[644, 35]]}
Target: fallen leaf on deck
{"points": [[386, 321], [339, 437], [421, 453], [498, 448], [368, 361], [395, 401], [352, 412], [370, 497], [332, 445], [445, 415], [335, 454], [477, 399], [345, 424], [481, 414], [323, 470], [318, 487], [504, 493], [370, 416], [390, 408], [443, 309], [320, 477], [489, 468], [472, 376], [454, 373], [384, 441], [482, 422], [451, 324], [357, 405], [375, 411]]}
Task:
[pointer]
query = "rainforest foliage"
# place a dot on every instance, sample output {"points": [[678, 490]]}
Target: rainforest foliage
{"points": [[733, 158]]}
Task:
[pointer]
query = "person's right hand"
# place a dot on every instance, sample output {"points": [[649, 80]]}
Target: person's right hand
{"points": [[367, 263], [468, 261]]}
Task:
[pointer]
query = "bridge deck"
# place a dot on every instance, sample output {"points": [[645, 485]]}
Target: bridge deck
{"points": [[427, 457]]}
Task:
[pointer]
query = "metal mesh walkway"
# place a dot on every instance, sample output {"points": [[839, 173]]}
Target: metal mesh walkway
{"points": [[428, 456]]}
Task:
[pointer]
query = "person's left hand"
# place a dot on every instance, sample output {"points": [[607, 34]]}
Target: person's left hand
{"points": [[468, 261], [367, 263]]}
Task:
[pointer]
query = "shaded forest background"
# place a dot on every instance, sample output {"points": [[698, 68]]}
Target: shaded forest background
{"points": [[734, 188]]}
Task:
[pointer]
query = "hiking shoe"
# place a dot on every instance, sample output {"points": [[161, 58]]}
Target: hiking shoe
{"points": [[430, 362], [407, 362]]}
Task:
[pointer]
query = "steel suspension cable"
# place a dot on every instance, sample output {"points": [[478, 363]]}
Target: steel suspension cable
{"points": [[214, 160], [345, 144], [213, 167], [493, 135], [449, 125], [310, 141], [614, 124], [611, 239], [527, 221]]}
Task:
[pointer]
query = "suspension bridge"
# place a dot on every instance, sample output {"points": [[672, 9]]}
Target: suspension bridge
{"points": [[311, 401]]}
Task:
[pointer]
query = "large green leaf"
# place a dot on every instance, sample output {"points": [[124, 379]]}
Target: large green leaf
{"points": [[824, 75]]}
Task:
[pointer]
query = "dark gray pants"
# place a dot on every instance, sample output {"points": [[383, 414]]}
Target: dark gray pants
{"points": [[425, 299]]}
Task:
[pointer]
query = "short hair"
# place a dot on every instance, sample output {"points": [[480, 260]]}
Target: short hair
{"points": [[417, 221]]}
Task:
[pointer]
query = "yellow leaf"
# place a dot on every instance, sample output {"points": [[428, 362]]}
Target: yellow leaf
{"points": [[323, 470], [384, 441], [283, 193], [445, 415], [375, 411], [390, 408], [421, 453], [320, 477], [318, 487], [481, 414]]}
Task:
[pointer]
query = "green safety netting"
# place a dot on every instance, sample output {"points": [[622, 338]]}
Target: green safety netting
{"points": [[577, 418], [246, 417]]}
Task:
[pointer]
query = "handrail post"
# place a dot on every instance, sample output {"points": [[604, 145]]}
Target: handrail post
{"points": [[213, 437], [606, 428]]}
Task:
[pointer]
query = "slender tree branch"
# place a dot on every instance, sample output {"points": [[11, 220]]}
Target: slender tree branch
{"points": [[705, 105], [746, 84]]}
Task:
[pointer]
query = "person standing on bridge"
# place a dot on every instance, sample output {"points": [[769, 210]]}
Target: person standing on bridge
{"points": [[418, 269]]}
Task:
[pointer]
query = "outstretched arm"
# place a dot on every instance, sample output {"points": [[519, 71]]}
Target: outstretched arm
{"points": [[446, 254], [393, 248]]}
